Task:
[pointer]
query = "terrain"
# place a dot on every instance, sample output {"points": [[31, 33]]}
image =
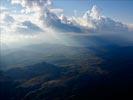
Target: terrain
{"points": [[100, 70]]}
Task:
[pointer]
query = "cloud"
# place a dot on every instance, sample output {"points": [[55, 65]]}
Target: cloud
{"points": [[32, 3], [57, 10], [60, 24], [43, 15], [40, 16], [5, 16], [12, 25], [98, 23], [92, 22], [37, 6], [94, 13], [8, 19], [28, 27], [3, 8]]}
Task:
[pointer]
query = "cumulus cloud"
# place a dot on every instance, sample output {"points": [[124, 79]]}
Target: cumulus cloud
{"points": [[91, 22], [57, 10], [8, 19], [44, 15], [102, 24], [40, 16], [12, 25], [47, 14], [98, 23], [3, 8], [94, 13], [61, 23], [38, 6], [28, 27], [32, 3]]}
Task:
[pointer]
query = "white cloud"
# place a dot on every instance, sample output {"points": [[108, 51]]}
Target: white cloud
{"points": [[11, 24], [37, 6], [8, 19], [43, 15], [27, 27], [32, 3], [95, 13], [38, 16], [94, 20], [57, 10], [3, 8]]}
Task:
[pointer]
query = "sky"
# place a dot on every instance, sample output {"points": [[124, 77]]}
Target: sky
{"points": [[117, 9], [35, 19]]}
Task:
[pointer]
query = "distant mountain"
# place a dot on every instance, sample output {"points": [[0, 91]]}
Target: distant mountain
{"points": [[100, 70], [28, 72], [53, 53], [7, 87], [17, 82], [113, 83], [32, 54]]}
